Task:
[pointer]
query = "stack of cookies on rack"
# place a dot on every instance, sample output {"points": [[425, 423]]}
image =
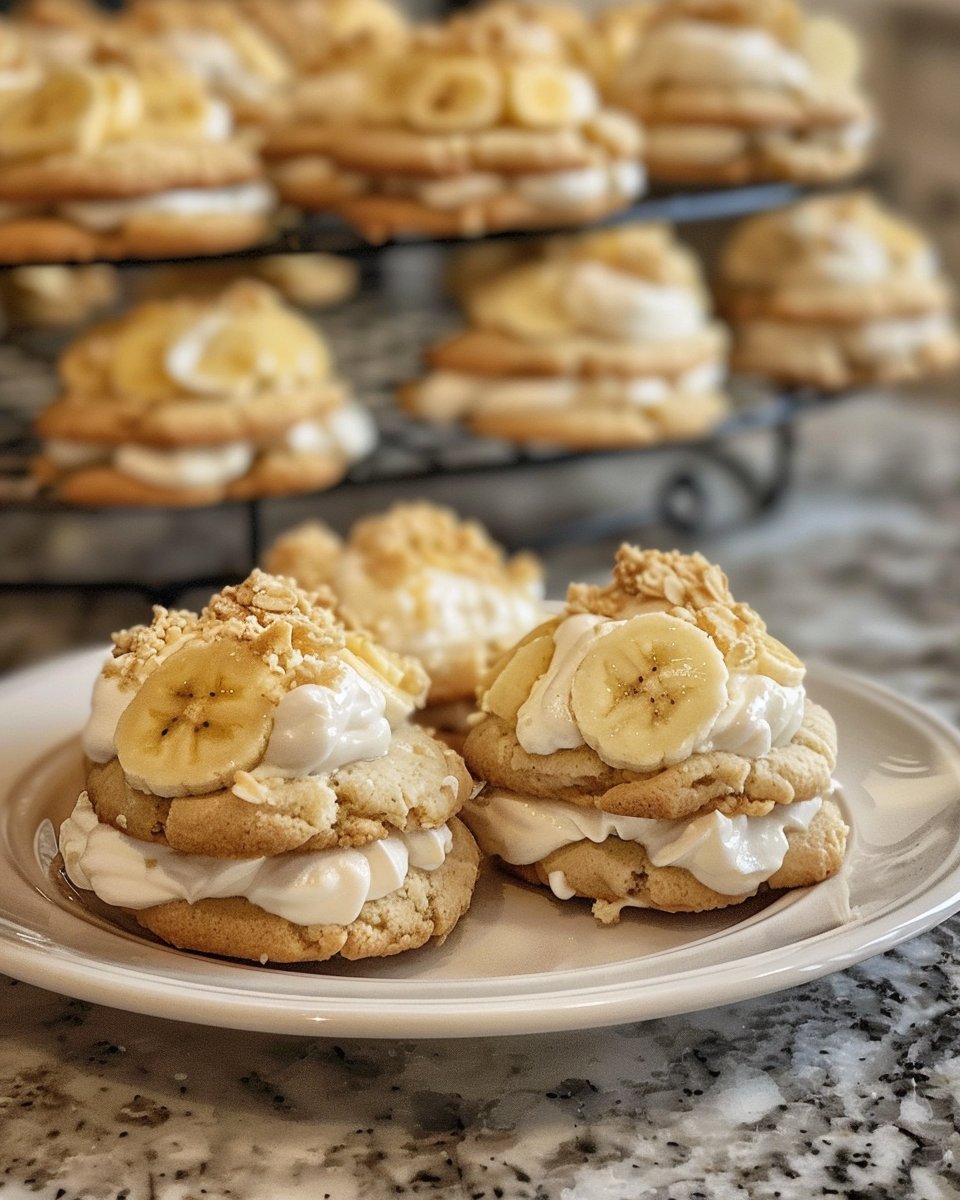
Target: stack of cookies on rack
{"points": [[194, 401], [732, 91], [428, 584], [126, 156], [481, 125], [836, 292], [607, 342]]}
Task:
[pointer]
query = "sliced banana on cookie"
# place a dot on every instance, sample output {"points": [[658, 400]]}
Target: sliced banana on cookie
{"points": [[456, 95], [403, 687], [778, 662], [548, 95], [204, 714], [832, 50], [124, 100], [648, 691], [138, 366], [68, 113], [527, 302], [513, 683]]}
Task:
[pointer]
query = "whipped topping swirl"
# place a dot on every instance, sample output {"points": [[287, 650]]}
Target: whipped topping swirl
{"points": [[610, 303], [323, 887], [731, 855]]}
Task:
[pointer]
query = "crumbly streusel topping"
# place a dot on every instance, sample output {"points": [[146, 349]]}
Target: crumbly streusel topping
{"points": [[687, 586], [398, 544], [308, 553], [298, 633]]}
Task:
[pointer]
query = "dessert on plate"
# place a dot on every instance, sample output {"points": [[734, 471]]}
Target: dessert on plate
{"points": [[426, 584], [834, 292], [255, 789], [607, 342], [194, 400], [125, 157], [476, 127], [653, 747], [731, 91]]}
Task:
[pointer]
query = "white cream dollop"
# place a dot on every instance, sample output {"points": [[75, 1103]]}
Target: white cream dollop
{"points": [[759, 713], [731, 855], [705, 53], [323, 887], [611, 303], [582, 185], [848, 254], [318, 728], [110, 700]]}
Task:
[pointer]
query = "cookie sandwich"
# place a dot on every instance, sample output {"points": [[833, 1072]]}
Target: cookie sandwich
{"points": [[125, 158], [426, 584], [195, 400], [255, 789], [731, 91], [654, 747], [474, 129], [836, 292], [609, 343]]}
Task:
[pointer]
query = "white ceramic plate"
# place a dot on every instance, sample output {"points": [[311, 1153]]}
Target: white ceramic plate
{"points": [[520, 961]]}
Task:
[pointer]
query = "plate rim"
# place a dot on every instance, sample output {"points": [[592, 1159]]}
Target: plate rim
{"points": [[522, 1012]]}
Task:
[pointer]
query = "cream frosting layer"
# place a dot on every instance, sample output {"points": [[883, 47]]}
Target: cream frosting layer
{"points": [[252, 198], [759, 714], [437, 614], [452, 394], [324, 887], [796, 345], [731, 855], [610, 303]]}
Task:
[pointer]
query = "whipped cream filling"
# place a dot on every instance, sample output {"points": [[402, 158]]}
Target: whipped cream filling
{"points": [[323, 887], [844, 253], [704, 53], [318, 728], [759, 714], [731, 855], [452, 394], [108, 705], [211, 466], [439, 613], [349, 432], [890, 338], [254, 198], [621, 179]]}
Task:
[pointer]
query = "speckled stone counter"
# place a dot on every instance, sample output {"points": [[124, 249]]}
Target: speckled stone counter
{"points": [[847, 1086]]}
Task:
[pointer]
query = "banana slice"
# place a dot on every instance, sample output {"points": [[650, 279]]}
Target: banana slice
{"points": [[124, 100], [648, 691], [547, 95], [138, 366], [239, 354], [68, 112], [175, 104], [527, 302], [205, 713], [456, 95], [778, 662], [513, 683], [832, 50]]}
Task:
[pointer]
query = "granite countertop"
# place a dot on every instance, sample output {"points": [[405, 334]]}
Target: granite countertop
{"points": [[846, 1086]]}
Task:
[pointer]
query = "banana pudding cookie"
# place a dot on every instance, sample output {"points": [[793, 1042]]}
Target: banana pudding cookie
{"points": [[477, 127], [732, 91], [653, 747], [192, 401], [255, 789], [427, 584], [836, 292], [125, 158], [606, 343]]}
